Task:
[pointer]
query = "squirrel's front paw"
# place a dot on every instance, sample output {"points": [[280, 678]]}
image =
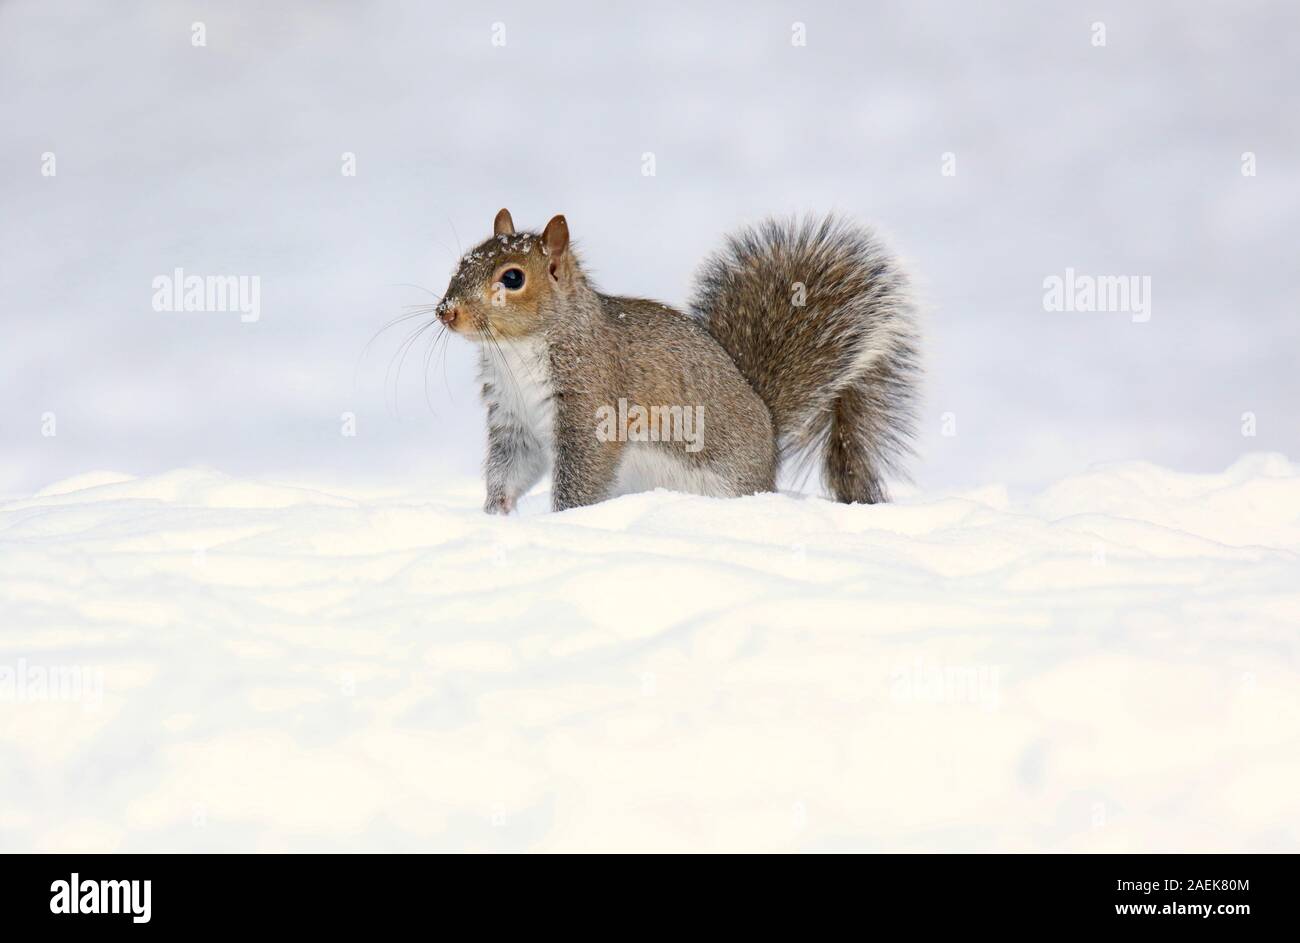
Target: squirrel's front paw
{"points": [[499, 504]]}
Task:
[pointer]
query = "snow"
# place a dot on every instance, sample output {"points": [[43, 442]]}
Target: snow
{"points": [[1108, 664], [259, 657]]}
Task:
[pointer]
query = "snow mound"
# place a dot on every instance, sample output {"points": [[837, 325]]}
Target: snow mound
{"points": [[195, 662]]}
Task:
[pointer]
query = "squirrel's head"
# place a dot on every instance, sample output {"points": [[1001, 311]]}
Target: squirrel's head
{"points": [[506, 285]]}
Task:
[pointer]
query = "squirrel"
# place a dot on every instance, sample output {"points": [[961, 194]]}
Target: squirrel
{"points": [[801, 342]]}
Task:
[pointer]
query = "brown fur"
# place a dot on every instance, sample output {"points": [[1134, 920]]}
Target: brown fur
{"points": [[767, 376], [839, 370]]}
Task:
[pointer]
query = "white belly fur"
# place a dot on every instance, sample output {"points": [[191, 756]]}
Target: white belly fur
{"points": [[520, 375], [646, 466]]}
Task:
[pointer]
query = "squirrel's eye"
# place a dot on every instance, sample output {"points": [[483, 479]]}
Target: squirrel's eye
{"points": [[513, 279]]}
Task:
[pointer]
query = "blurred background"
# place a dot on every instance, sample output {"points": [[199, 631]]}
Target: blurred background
{"points": [[227, 159]]}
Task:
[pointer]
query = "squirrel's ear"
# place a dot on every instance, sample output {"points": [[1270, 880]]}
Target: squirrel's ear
{"points": [[555, 238], [503, 225]]}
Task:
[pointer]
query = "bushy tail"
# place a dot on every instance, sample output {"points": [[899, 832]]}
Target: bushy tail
{"points": [[819, 318]]}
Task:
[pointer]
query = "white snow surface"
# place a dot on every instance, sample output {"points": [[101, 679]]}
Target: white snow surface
{"points": [[1107, 665]]}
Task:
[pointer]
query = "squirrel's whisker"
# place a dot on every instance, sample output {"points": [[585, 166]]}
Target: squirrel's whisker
{"points": [[400, 357]]}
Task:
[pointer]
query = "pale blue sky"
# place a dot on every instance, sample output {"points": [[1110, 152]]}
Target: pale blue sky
{"points": [[1118, 160]]}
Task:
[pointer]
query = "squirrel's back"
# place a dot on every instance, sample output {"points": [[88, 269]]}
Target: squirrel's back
{"points": [[819, 318]]}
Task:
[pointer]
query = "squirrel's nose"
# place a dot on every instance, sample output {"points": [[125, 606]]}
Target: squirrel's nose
{"points": [[449, 316]]}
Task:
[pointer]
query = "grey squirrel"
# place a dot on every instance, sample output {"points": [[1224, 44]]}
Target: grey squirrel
{"points": [[801, 341]]}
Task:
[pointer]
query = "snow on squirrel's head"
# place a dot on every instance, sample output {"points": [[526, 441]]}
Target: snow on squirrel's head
{"points": [[504, 287]]}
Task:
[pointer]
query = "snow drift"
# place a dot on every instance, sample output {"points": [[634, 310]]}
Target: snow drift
{"points": [[195, 662]]}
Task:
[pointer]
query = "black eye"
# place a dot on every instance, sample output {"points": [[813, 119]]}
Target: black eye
{"points": [[513, 279]]}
